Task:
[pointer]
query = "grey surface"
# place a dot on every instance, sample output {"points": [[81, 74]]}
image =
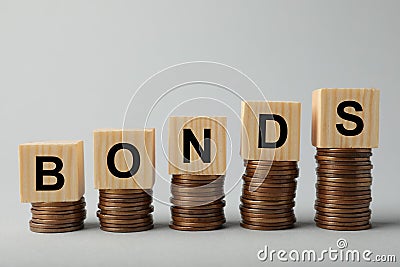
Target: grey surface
{"points": [[69, 67]]}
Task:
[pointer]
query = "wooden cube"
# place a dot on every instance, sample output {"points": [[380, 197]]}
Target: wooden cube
{"points": [[345, 118], [197, 145], [124, 159], [270, 130], [51, 171]]}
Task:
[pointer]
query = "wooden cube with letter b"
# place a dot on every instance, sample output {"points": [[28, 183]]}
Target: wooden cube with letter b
{"points": [[197, 162], [270, 147], [345, 128], [52, 179], [124, 169]]}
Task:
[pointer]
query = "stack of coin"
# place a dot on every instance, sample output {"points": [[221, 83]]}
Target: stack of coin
{"points": [[268, 194], [197, 202], [343, 188], [125, 210], [58, 217]]}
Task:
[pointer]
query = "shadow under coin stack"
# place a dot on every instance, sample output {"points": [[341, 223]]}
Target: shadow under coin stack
{"points": [[125, 210], [198, 203], [268, 194], [58, 217], [343, 188]]}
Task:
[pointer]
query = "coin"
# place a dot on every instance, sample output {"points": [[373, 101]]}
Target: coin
{"points": [[341, 219], [265, 228], [344, 228], [126, 229], [56, 230], [190, 228]]}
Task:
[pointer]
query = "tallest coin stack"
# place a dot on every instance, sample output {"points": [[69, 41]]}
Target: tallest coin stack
{"points": [[345, 129]]}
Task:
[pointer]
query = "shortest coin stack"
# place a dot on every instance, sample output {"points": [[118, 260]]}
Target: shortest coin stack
{"points": [[197, 202], [57, 217], [343, 189], [268, 194], [125, 210]]}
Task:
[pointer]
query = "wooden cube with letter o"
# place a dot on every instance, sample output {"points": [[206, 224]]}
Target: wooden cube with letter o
{"points": [[124, 159]]}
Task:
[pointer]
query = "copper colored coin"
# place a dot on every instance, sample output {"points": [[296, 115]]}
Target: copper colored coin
{"points": [[341, 219], [268, 194], [123, 205], [64, 208], [59, 221], [125, 209], [127, 229], [255, 168], [53, 226], [341, 172], [198, 190], [60, 217], [191, 203], [332, 158], [272, 173], [345, 202], [55, 212], [195, 215], [270, 224], [346, 198], [333, 210], [267, 216], [58, 204], [258, 202], [270, 163], [290, 189], [248, 179], [272, 185], [344, 184], [56, 230], [250, 210], [344, 167], [126, 200], [124, 223], [199, 224], [345, 215], [346, 228], [263, 220], [345, 180], [126, 191], [116, 196], [264, 228], [198, 198], [344, 206], [269, 206], [135, 215], [217, 182], [344, 176], [189, 228], [197, 219], [345, 155], [345, 163], [268, 198], [342, 224], [348, 189], [197, 177], [343, 193]]}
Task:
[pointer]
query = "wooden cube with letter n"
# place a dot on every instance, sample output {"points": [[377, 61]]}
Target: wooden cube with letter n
{"points": [[197, 162], [124, 169], [345, 128], [52, 179]]}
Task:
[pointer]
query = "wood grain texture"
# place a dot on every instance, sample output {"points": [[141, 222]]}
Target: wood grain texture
{"points": [[143, 140], [71, 154], [324, 118], [289, 111], [217, 165]]}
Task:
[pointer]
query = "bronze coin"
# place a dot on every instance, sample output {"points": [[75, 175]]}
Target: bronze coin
{"points": [[58, 204], [119, 213], [343, 206], [200, 195], [344, 193], [344, 184], [270, 163], [124, 200], [271, 173], [272, 185], [269, 207], [345, 215], [266, 169], [198, 199], [344, 167], [126, 191], [340, 228], [124, 222], [341, 219], [251, 210], [344, 176], [345, 163], [189, 228], [342, 224], [268, 194], [255, 189], [125, 209], [197, 177], [268, 181], [269, 224], [265, 228], [126, 229], [53, 226], [199, 224], [60, 217], [123, 205], [345, 202], [62, 208], [136, 215], [345, 155], [197, 190], [126, 196], [268, 198], [346, 198], [266, 220], [203, 214], [56, 230], [258, 202], [342, 172], [197, 219], [266, 215], [57, 222], [334, 158], [333, 210], [54, 212], [348, 189], [189, 183], [345, 180]]}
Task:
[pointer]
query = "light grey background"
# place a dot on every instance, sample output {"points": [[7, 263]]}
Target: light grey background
{"points": [[69, 67]]}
